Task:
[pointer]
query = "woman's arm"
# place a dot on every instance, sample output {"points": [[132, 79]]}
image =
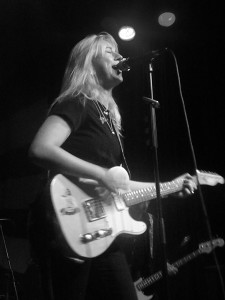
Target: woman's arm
{"points": [[46, 151]]}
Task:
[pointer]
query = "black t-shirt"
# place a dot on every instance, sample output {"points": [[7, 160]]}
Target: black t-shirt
{"points": [[89, 140]]}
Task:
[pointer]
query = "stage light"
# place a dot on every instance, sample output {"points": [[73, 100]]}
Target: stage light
{"points": [[166, 19], [126, 33]]}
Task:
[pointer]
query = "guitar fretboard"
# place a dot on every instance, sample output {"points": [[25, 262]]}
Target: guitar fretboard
{"points": [[157, 276], [187, 258], [146, 194]]}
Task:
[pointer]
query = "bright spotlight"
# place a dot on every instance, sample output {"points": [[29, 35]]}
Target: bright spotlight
{"points": [[166, 19], [126, 33]]}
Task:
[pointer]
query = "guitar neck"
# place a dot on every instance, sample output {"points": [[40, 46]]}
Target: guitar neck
{"points": [[157, 276], [186, 259], [146, 194]]}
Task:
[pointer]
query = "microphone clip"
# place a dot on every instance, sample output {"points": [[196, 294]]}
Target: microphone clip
{"points": [[153, 102]]}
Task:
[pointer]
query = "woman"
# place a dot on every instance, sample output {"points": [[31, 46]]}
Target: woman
{"points": [[81, 139]]}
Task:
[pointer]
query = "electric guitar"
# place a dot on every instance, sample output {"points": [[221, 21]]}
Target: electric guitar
{"points": [[142, 284], [87, 225]]}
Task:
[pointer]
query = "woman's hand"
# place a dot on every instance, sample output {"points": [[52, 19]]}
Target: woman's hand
{"points": [[116, 180], [172, 270], [189, 186]]}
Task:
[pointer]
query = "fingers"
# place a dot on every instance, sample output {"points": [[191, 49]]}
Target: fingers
{"points": [[172, 270], [189, 184], [88, 181], [102, 192]]}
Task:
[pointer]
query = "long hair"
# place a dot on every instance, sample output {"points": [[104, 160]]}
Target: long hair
{"points": [[78, 78]]}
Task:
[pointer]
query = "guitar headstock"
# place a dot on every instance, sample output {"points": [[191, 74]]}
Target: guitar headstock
{"points": [[207, 247], [209, 178]]}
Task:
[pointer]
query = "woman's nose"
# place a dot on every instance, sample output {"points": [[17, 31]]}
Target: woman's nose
{"points": [[118, 57]]}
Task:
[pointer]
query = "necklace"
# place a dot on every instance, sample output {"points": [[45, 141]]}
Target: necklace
{"points": [[104, 116]]}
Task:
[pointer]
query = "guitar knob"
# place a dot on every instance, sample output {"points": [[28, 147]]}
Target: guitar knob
{"points": [[87, 237], [104, 232], [101, 233]]}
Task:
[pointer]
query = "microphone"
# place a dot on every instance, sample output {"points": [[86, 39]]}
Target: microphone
{"points": [[124, 64]]}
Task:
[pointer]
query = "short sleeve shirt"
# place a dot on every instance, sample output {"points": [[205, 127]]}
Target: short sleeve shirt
{"points": [[90, 139]]}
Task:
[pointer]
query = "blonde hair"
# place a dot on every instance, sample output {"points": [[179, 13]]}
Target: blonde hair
{"points": [[78, 78]]}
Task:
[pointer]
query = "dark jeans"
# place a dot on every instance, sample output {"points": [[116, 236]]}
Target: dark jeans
{"points": [[105, 277]]}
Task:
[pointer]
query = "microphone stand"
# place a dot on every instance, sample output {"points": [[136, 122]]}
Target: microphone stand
{"points": [[153, 105]]}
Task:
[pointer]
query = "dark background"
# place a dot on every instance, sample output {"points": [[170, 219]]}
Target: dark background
{"points": [[36, 39]]}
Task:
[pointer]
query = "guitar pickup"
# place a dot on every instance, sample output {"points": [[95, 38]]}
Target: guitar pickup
{"points": [[94, 209], [98, 234]]}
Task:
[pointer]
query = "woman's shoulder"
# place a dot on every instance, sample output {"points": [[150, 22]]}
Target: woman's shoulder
{"points": [[67, 103], [70, 100], [73, 109], [70, 108]]}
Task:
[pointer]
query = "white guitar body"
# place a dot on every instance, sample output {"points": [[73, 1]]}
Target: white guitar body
{"points": [[86, 224], [89, 229]]}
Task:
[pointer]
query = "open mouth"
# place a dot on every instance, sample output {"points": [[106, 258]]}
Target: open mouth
{"points": [[117, 71]]}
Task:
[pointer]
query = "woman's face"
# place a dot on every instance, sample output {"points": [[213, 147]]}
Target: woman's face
{"points": [[103, 64]]}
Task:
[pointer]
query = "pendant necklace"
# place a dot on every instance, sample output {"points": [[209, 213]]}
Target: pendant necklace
{"points": [[104, 117]]}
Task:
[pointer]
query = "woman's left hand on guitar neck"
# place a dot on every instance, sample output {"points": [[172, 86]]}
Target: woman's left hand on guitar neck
{"points": [[189, 186]]}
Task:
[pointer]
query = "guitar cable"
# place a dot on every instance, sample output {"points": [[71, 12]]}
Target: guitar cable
{"points": [[204, 209]]}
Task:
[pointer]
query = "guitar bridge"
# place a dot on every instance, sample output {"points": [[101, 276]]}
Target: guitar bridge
{"points": [[94, 209]]}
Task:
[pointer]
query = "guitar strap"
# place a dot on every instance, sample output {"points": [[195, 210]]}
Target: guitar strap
{"points": [[124, 163]]}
